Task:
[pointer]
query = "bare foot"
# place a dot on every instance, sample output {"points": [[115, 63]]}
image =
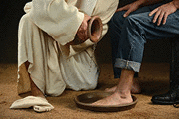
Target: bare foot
{"points": [[35, 91], [134, 90], [122, 94], [114, 99], [110, 89]]}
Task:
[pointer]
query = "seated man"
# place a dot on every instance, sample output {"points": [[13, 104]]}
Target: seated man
{"points": [[48, 62], [129, 29]]}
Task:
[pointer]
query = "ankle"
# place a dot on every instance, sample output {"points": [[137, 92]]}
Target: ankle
{"points": [[37, 93], [123, 93], [123, 90]]}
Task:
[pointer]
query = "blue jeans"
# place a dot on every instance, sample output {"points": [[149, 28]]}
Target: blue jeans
{"points": [[128, 36]]}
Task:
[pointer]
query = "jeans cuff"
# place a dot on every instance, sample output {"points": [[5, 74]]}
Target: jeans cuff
{"points": [[126, 64]]}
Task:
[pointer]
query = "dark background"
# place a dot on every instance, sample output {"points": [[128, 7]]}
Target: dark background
{"points": [[12, 10], [10, 14]]}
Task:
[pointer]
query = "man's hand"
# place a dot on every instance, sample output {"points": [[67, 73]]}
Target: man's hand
{"points": [[82, 31], [162, 12], [129, 8]]}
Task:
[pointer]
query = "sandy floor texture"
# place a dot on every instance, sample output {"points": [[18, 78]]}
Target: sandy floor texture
{"points": [[153, 78]]}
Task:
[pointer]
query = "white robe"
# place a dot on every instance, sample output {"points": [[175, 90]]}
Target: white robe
{"points": [[44, 32]]}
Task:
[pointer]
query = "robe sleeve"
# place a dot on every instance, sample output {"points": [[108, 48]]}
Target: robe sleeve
{"points": [[58, 19], [103, 9]]}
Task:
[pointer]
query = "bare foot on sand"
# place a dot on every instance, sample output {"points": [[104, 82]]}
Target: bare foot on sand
{"points": [[114, 99]]}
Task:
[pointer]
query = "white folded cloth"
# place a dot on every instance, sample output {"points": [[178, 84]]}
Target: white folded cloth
{"points": [[39, 104]]}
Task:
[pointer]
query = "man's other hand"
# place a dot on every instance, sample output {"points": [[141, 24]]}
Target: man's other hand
{"points": [[82, 31], [162, 12], [129, 8]]}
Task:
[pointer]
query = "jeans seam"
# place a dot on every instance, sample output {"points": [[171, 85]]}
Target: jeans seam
{"points": [[132, 46], [137, 24]]}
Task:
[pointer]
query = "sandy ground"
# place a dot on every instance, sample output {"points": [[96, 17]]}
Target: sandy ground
{"points": [[153, 78]]}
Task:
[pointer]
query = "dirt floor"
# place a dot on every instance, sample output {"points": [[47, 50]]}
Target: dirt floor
{"points": [[153, 78]]}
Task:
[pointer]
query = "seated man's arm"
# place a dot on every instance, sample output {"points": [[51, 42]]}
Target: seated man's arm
{"points": [[137, 4], [162, 12]]}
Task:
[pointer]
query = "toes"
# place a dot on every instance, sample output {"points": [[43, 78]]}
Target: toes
{"points": [[107, 89], [111, 89]]}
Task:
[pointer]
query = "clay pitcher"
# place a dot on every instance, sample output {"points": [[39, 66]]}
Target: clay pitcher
{"points": [[94, 31], [95, 28]]}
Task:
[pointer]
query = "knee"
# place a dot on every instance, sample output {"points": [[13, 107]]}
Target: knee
{"points": [[137, 20], [115, 26], [130, 20], [117, 19], [92, 86]]}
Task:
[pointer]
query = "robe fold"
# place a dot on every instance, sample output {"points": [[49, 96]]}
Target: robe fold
{"points": [[43, 36]]}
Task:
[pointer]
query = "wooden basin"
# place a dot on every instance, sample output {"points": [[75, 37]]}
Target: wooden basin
{"points": [[85, 100]]}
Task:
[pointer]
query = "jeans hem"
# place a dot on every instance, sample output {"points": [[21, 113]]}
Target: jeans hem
{"points": [[126, 64]]}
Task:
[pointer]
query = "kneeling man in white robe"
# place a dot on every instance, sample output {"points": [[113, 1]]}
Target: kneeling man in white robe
{"points": [[47, 61]]}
